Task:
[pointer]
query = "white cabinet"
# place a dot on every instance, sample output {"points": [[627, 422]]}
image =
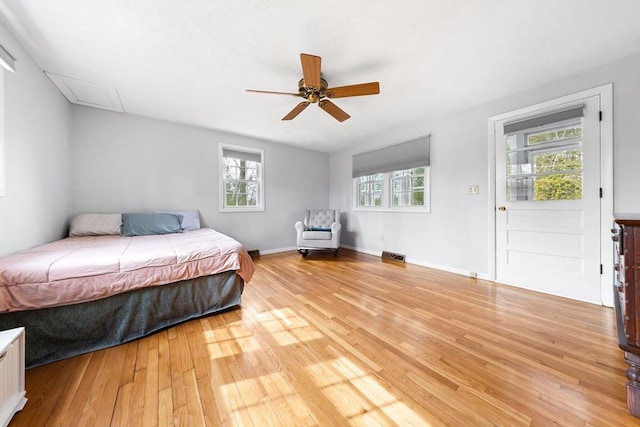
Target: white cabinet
{"points": [[12, 391]]}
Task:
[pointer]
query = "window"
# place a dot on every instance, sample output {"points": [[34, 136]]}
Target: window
{"points": [[241, 184], [370, 190], [3, 176], [394, 179], [7, 62], [544, 162], [407, 187]]}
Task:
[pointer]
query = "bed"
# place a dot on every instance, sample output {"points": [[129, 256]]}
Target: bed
{"points": [[88, 292]]}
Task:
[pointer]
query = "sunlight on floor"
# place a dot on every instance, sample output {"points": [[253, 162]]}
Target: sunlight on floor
{"points": [[287, 328], [359, 396], [356, 394], [251, 399], [229, 341]]}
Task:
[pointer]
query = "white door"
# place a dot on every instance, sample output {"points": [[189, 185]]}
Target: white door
{"points": [[548, 200]]}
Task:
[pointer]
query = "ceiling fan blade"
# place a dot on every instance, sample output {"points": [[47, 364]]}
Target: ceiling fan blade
{"points": [[297, 110], [372, 88], [311, 70], [334, 110], [276, 93]]}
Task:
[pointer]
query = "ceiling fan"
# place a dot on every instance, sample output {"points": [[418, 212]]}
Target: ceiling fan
{"points": [[315, 89]]}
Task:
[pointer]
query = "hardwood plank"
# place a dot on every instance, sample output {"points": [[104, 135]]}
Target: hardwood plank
{"points": [[165, 408], [122, 406], [353, 340], [74, 408], [151, 389], [98, 410]]}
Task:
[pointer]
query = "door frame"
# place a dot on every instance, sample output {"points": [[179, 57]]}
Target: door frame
{"points": [[606, 180]]}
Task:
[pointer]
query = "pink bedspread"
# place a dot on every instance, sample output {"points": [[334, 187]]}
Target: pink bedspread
{"points": [[79, 269]]}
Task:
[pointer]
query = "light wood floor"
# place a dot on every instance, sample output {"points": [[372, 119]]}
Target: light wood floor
{"points": [[352, 340]]}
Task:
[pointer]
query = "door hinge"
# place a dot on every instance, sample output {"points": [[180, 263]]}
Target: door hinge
{"points": [[600, 268], [601, 192], [600, 116]]}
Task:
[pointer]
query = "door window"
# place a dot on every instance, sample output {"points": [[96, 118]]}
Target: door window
{"points": [[545, 163]]}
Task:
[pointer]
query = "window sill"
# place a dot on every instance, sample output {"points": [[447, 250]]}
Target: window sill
{"points": [[404, 209], [251, 209]]}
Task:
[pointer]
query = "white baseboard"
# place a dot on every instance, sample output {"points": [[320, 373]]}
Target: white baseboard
{"points": [[277, 250], [483, 276], [362, 250]]}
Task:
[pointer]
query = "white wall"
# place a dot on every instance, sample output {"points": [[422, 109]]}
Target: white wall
{"points": [[36, 205], [454, 236], [123, 163]]}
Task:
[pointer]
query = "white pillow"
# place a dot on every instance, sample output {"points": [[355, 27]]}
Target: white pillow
{"points": [[95, 224]]}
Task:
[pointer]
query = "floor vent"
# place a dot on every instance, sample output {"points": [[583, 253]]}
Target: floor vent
{"points": [[392, 256]]}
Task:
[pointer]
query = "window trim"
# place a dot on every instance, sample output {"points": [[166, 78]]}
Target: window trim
{"points": [[386, 196], [260, 207], [3, 160]]}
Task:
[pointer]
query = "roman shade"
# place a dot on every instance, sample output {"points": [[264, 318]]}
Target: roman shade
{"points": [[406, 155], [242, 155], [546, 119]]}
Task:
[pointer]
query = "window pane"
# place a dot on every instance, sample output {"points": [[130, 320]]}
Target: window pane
{"points": [[550, 187], [370, 190], [545, 164], [558, 187], [407, 187], [554, 135], [418, 198], [556, 161], [519, 189]]}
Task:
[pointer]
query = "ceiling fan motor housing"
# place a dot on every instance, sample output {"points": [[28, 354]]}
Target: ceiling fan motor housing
{"points": [[310, 93]]}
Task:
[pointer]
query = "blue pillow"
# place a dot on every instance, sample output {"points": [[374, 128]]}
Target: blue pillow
{"points": [[143, 224], [320, 229]]}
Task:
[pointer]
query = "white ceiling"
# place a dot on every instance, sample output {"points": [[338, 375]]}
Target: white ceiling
{"points": [[191, 61]]}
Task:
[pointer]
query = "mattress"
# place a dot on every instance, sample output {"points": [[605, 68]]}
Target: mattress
{"points": [[80, 269]]}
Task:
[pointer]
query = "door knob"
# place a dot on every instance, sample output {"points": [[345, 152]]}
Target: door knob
{"points": [[502, 208]]}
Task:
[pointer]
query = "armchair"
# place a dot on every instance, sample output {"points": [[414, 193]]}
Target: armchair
{"points": [[320, 230]]}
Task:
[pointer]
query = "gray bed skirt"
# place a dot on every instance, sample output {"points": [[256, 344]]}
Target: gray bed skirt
{"points": [[60, 332]]}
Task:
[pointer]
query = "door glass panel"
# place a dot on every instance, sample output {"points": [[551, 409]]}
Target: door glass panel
{"points": [[545, 164]]}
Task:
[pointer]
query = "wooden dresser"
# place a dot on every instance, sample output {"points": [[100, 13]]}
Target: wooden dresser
{"points": [[626, 288]]}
